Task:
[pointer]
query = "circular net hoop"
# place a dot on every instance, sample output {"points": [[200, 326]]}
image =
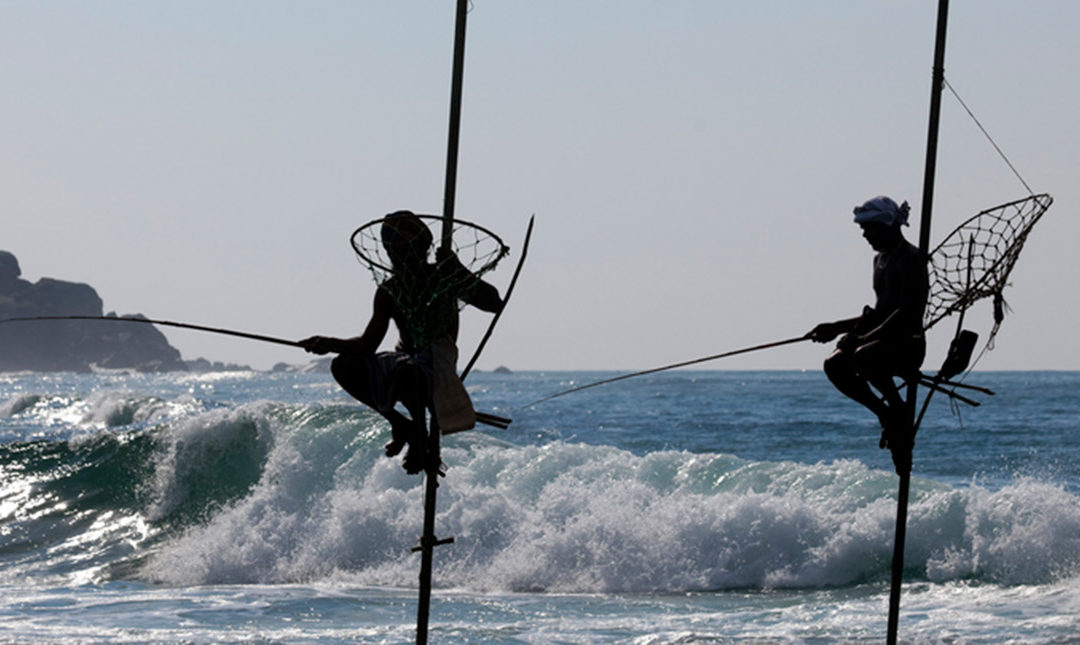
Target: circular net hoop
{"points": [[425, 299], [974, 261]]}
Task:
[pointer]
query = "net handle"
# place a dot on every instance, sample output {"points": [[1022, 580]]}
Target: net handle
{"points": [[506, 298]]}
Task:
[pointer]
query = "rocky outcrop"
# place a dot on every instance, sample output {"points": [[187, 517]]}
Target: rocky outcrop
{"points": [[204, 365], [72, 345], [317, 366]]}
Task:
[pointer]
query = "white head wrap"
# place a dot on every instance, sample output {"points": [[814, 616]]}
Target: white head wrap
{"points": [[884, 210]]}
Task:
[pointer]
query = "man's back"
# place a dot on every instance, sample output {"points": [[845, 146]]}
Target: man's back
{"points": [[901, 284]]}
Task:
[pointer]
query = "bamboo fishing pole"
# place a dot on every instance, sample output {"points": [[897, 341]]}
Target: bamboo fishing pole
{"points": [[486, 418], [506, 299], [166, 323], [671, 366]]}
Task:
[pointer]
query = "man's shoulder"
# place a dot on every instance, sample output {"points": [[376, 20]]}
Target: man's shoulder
{"points": [[905, 250], [384, 297], [909, 259]]}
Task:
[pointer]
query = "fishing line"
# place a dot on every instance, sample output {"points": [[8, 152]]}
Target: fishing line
{"points": [[672, 366], [987, 135]]}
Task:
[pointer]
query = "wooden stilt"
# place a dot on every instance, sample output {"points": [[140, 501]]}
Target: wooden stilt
{"points": [[898, 557], [428, 541], [903, 454], [902, 457]]}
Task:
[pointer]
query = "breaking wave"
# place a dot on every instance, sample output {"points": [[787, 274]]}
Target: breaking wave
{"points": [[167, 491]]}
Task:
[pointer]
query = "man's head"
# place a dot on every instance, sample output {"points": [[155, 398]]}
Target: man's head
{"points": [[406, 238], [880, 219]]}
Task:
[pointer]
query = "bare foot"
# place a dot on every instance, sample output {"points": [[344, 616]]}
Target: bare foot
{"points": [[399, 436], [415, 460], [892, 428], [393, 447]]}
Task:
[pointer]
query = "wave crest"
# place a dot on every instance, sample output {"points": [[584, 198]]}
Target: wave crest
{"points": [[569, 517]]}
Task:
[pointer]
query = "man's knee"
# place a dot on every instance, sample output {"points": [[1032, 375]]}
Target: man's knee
{"points": [[838, 365], [351, 373], [879, 361], [342, 368]]}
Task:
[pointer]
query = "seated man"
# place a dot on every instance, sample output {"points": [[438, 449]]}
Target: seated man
{"points": [[421, 299], [887, 339]]}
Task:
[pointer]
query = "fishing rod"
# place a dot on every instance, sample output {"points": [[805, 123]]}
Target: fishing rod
{"points": [[672, 366], [482, 417], [167, 323], [506, 299]]}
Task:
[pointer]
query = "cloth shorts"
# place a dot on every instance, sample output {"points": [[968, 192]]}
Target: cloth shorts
{"points": [[372, 378], [897, 357]]}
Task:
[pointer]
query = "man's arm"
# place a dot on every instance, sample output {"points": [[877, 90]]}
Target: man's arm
{"points": [[881, 330], [367, 342], [827, 331], [483, 295]]}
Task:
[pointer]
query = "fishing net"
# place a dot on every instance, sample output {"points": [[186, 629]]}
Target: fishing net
{"points": [[430, 286], [975, 260]]}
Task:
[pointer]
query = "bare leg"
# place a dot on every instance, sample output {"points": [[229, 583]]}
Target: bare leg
{"points": [[880, 363], [841, 369], [400, 428], [354, 376], [853, 374], [411, 387]]}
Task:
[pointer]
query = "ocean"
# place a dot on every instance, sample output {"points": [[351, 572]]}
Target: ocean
{"points": [[679, 507]]}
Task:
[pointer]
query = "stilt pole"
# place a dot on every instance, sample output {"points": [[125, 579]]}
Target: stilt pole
{"points": [[427, 546], [903, 454], [932, 131], [428, 541], [432, 471], [450, 186]]}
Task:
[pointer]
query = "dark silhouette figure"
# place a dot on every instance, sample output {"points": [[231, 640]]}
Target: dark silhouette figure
{"points": [[887, 339], [421, 299]]}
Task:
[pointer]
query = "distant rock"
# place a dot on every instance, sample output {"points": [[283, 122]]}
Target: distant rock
{"points": [[72, 345], [317, 366], [502, 369], [203, 365]]}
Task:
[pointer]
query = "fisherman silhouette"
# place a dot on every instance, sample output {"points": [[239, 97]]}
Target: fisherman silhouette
{"points": [[421, 299], [886, 340]]}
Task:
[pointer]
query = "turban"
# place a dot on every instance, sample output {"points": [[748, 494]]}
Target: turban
{"points": [[883, 210]]}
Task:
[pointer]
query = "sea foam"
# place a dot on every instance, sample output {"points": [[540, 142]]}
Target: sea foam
{"points": [[567, 517], [18, 404]]}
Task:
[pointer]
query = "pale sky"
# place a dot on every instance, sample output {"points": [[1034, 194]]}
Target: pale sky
{"points": [[692, 165]]}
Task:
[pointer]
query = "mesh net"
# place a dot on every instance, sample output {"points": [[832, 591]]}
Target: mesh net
{"points": [[975, 260], [429, 290]]}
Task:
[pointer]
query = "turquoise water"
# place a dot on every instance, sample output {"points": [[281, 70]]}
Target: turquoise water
{"points": [[678, 507]]}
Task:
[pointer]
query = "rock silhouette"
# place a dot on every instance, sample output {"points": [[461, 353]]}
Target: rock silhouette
{"points": [[72, 345]]}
